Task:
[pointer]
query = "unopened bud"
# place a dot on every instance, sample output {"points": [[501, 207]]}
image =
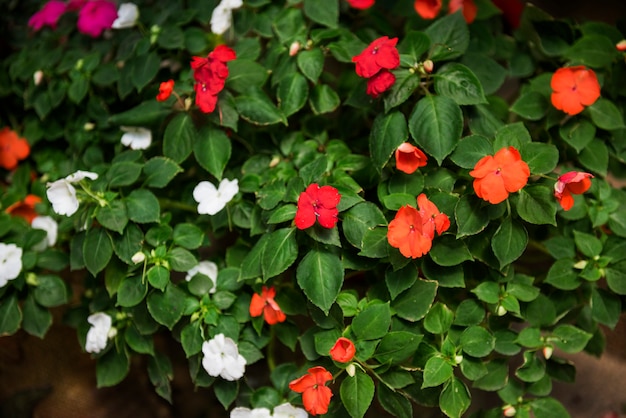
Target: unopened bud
{"points": [[274, 162], [509, 411], [139, 257], [31, 279], [429, 66], [458, 359], [621, 45], [79, 64], [155, 30], [37, 77], [547, 351], [294, 48], [89, 126], [351, 369], [580, 264], [501, 311], [112, 333], [188, 103]]}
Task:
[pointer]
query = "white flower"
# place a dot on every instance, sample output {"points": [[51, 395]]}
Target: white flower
{"points": [[45, 223], [222, 17], [10, 262], [62, 194], [98, 334], [241, 412], [211, 200], [287, 410], [136, 138], [127, 15], [208, 268], [222, 358]]}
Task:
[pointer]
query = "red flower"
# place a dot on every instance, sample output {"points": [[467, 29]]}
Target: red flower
{"points": [[361, 4], [380, 83], [25, 208], [12, 148], [317, 203], [571, 183], [621, 45], [406, 232], [380, 54], [315, 394], [165, 90], [427, 9], [409, 158], [468, 6], [497, 176], [512, 11], [210, 75], [343, 351], [48, 15], [573, 88], [264, 304], [432, 219]]}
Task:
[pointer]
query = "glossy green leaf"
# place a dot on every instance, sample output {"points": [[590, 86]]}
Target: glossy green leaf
{"points": [[455, 398], [357, 393], [280, 252], [372, 322], [449, 37], [255, 107], [311, 63], [37, 320], [212, 150], [436, 371], [606, 115], [324, 12], [509, 241], [167, 307], [179, 137], [320, 275], [97, 250], [537, 205], [293, 92], [160, 171], [460, 84], [112, 368], [323, 99], [142, 206], [414, 303]]}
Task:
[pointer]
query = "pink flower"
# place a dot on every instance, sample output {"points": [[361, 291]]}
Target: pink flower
{"points": [[574, 182], [48, 15], [96, 16]]}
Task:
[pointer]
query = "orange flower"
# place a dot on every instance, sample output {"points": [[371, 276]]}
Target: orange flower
{"points": [[468, 6], [165, 90], [343, 351], [432, 219], [406, 232], [25, 208], [497, 176], [427, 9], [315, 394], [12, 148], [621, 45], [574, 182], [573, 88], [409, 158], [264, 304]]}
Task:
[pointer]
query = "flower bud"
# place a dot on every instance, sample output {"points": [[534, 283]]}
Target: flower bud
{"points": [[429, 66], [509, 411], [351, 369], [547, 351], [458, 359], [112, 333], [139, 257], [621, 45], [37, 77], [89, 126], [294, 48], [501, 311]]}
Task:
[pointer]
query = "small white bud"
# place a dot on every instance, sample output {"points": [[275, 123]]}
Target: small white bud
{"points": [[37, 77], [458, 359], [294, 48], [112, 333], [89, 126], [351, 369], [501, 311], [509, 411], [429, 66], [547, 351], [139, 257]]}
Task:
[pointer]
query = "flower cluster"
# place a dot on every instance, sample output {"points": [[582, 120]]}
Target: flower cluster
{"points": [[62, 194], [221, 358], [573, 88], [264, 304], [375, 62], [12, 148], [569, 184], [285, 410], [210, 76], [317, 203], [498, 175], [315, 394]]}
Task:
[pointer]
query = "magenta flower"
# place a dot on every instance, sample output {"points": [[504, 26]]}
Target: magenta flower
{"points": [[96, 16], [48, 15]]}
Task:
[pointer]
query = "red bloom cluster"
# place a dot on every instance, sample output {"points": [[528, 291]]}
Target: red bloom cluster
{"points": [[264, 304], [12, 148], [94, 16], [317, 203], [429, 9], [412, 231], [165, 90], [343, 351], [574, 182], [210, 75], [409, 158], [498, 175], [361, 4], [375, 62], [315, 394], [573, 88]]}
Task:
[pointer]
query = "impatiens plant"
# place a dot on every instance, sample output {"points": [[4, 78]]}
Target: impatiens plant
{"points": [[331, 207]]}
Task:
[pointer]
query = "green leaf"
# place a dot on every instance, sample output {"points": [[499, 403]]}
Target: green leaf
{"points": [[536, 205], [10, 315], [188, 236], [531, 105], [394, 403], [146, 113], [97, 250], [139, 343], [167, 307], [320, 275], [160, 171], [605, 307], [436, 371], [324, 12], [179, 137], [460, 84], [587, 244], [490, 74], [616, 278], [438, 319], [181, 260], [469, 216], [292, 93], [160, 373], [509, 241], [436, 124], [496, 377], [142, 206], [570, 338], [592, 50], [455, 397], [131, 291], [397, 346], [548, 408], [415, 44], [226, 392], [212, 150], [595, 157], [158, 277], [387, 133], [477, 341], [112, 368], [403, 88], [323, 99], [191, 338], [144, 69], [469, 312], [255, 107], [37, 320], [78, 89], [533, 369], [113, 216], [449, 37], [562, 275], [606, 115], [51, 291], [470, 150], [541, 158], [311, 63], [357, 393], [375, 243], [414, 303], [448, 251], [123, 173], [359, 219], [372, 322], [244, 73], [400, 280], [280, 252], [578, 133], [488, 292]]}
